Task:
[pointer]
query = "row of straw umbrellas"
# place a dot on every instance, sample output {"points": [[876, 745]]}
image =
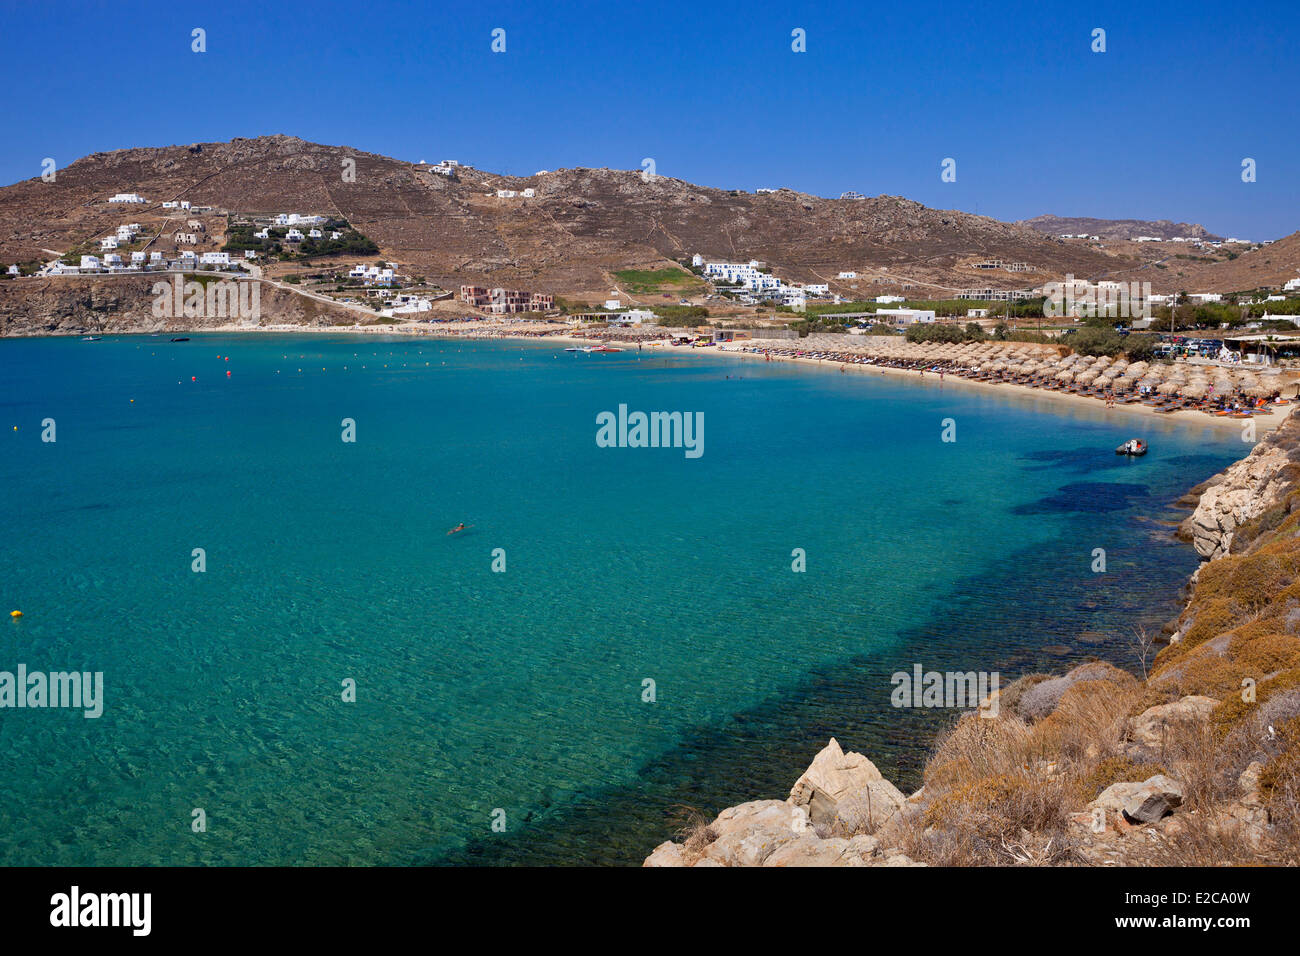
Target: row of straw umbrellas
{"points": [[1033, 364]]}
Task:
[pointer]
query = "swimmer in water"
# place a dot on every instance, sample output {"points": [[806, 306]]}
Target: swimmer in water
{"points": [[460, 527]]}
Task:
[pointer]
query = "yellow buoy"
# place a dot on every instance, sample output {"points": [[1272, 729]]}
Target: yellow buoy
{"points": [[15, 613]]}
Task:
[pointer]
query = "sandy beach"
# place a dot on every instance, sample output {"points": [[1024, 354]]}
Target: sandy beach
{"points": [[541, 331]]}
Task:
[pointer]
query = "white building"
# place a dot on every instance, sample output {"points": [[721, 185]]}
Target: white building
{"points": [[886, 299], [817, 288], [336, 235], [138, 259], [373, 275], [315, 234], [89, 263], [170, 204], [109, 242], [293, 235], [906, 316], [215, 259], [1292, 285], [128, 198], [847, 275], [506, 194], [264, 234], [1204, 297], [697, 260]]}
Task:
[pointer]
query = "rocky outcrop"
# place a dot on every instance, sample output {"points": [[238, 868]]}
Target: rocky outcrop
{"points": [[829, 819], [845, 792], [1243, 492], [80, 305]]}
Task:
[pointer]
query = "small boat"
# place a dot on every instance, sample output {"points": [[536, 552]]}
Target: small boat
{"points": [[604, 348], [1134, 447], [182, 339], [92, 338]]}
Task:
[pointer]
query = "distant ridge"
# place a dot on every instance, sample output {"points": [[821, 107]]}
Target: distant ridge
{"points": [[1116, 228]]}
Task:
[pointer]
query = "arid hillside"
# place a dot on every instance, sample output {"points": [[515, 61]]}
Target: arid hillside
{"points": [[583, 224], [580, 225]]}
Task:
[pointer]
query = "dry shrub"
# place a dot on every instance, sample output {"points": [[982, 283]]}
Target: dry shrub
{"points": [[1007, 819], [695, 832], [1204, 839], [1088, 724], [976, 748], [1009, 696]]}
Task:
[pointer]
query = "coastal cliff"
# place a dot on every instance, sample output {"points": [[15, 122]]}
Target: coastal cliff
{"points": [[125, 303], [1194, 762]]}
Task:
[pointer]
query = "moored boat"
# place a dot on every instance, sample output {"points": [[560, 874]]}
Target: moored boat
{"points": [[1134, 447]]}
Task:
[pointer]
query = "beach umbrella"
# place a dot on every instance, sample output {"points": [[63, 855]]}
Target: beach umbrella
{"points": [[1170, 387]]}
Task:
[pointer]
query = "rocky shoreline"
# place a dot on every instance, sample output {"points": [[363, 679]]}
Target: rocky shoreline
{"points": [[1196, 762]]}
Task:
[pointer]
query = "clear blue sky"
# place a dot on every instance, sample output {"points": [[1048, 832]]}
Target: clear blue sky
{"points": [[1154, 128]]}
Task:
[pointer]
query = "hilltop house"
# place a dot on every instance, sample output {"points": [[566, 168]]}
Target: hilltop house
{"points": [[847, 275], [128, 198], [293, 235], [109, 242], [215, 259]]}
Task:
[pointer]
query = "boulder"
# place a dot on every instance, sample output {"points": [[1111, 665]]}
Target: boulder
{"points": [[845, 792], [1144, 802], [1151, 728], [751, 832]]}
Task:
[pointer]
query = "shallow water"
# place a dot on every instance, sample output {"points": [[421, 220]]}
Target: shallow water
{"points": [[521, 691]]}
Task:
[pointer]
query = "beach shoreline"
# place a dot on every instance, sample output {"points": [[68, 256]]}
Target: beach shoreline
{"points": [[539, 333]]}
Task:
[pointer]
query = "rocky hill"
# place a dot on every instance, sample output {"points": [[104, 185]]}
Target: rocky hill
{"points": [[581, 225], [1116, 228]]}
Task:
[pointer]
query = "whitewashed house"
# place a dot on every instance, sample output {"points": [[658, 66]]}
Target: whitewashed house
{"points": [[848, 274], [170, 204], [138, 259], [264, 234], [131, 198], [293, 235], [215, 259], [336, 235], [315, 234], [1292, 285], [697, 260], [108, 242], [506, 194], [886, 299], [529, 193], [89, 263]]}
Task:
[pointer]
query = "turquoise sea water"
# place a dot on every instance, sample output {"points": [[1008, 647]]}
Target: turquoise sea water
{"points": [[521, 691]]}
